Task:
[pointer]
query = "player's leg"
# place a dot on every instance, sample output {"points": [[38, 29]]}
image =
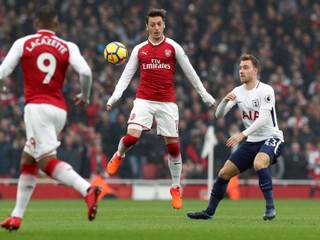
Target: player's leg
{"points": [[271, 149], [64, 173], [218, 191], [125, 144], [167, 117], [238, 162], [175, 167], [47, 121], [261, 164], [140, 119], [26, 185]]}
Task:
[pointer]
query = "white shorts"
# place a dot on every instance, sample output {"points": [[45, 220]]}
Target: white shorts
{"points": [[43, 124], [166, 115]]}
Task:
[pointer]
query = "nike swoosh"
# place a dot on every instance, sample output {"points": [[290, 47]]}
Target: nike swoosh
{"points": [[261, 185]]}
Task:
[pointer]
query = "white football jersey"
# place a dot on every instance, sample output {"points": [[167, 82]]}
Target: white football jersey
{"points": [[250, 103]]}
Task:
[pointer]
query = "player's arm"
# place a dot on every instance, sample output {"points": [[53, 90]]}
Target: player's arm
{"points": [[80, 65], [225, 105], [125, 78], [192, 76], [10, 62]]}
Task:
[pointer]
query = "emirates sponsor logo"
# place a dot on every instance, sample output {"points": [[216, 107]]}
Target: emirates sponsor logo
{"points": [[155, 64]]}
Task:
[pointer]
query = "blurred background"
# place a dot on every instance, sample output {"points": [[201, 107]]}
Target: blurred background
{"points": [[283, 34]]}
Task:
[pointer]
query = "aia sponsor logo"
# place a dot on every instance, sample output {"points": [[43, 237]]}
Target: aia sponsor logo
{"points": [[251, 115]]}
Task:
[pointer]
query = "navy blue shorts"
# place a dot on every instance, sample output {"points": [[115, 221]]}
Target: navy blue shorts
{"points": [[244, 156]]}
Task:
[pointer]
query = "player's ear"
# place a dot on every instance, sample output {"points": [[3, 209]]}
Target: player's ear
{"points": [[147, 27], [36, 24], [55, 24]]}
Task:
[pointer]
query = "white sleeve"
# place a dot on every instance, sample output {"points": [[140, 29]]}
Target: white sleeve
{"points": [[192, 76], [223, 108], [126, 76], [259, 122], [11, 61], [79, 64]]}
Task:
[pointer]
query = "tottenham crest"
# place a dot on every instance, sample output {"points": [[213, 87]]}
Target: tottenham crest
{"points": [[255, 103]]}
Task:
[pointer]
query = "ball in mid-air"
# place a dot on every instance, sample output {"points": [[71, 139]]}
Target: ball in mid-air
{"points": [[115, 53]]}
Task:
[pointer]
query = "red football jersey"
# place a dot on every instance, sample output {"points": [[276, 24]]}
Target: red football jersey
{"points": [[157, 63], [44, 62], [44, 59]]}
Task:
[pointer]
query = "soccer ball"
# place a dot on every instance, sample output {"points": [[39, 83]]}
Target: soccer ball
{"points": [[115, 53]]}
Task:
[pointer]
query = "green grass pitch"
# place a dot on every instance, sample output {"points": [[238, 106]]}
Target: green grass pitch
{"points": [[153, 220]]}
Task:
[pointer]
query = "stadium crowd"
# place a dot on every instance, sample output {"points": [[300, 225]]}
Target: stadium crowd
{"points": [[283, 34]]}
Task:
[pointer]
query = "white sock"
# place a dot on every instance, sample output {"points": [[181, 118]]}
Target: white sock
{"points": [[64, 173], [175, 166], [26, 185]]}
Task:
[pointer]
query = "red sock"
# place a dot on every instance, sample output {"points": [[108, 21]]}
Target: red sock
{"points": [[129, 140]]}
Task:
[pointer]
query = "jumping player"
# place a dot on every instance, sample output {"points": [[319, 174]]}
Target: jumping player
{"points": [[155, 97], [44, 59], [264, 143]]}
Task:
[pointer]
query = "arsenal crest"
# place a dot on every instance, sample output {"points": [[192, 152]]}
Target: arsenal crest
{"points": [[167, 52]]}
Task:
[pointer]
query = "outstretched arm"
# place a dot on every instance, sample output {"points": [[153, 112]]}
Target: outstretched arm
{"points": [[10, 62], [80, 65], [192, 76], [225, 105]]}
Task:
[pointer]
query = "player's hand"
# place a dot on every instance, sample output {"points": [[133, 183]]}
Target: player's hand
{"points": [[213, 106], [110, 102], [230, 97], [108, 106], [79, 101], [235, 139]]}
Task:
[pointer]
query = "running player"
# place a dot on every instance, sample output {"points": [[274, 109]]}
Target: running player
{"points": [[44, 59], [264, 143], [155, 97]]}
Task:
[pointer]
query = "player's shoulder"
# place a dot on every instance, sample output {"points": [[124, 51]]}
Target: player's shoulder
{"points": [[141, 45], [172, 42], [239, 88], [262, 87], [26, 38], [70, 45]]}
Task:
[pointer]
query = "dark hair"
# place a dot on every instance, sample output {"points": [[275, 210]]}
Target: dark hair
{"points": [[253, 59], [155, 12], [46, 15]]}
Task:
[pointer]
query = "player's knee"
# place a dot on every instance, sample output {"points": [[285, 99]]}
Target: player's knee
{"points": [[262, 160], [225, 174], [31, 169], [129, 140], [257, 165], [50, 166], [173, 149]]}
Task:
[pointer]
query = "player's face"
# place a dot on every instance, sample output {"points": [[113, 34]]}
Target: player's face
{"points": [[246, 71], [155, 28]]}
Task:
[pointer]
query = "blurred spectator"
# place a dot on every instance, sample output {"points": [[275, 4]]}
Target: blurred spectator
{"points": [[295, 162], [314, 167]]}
